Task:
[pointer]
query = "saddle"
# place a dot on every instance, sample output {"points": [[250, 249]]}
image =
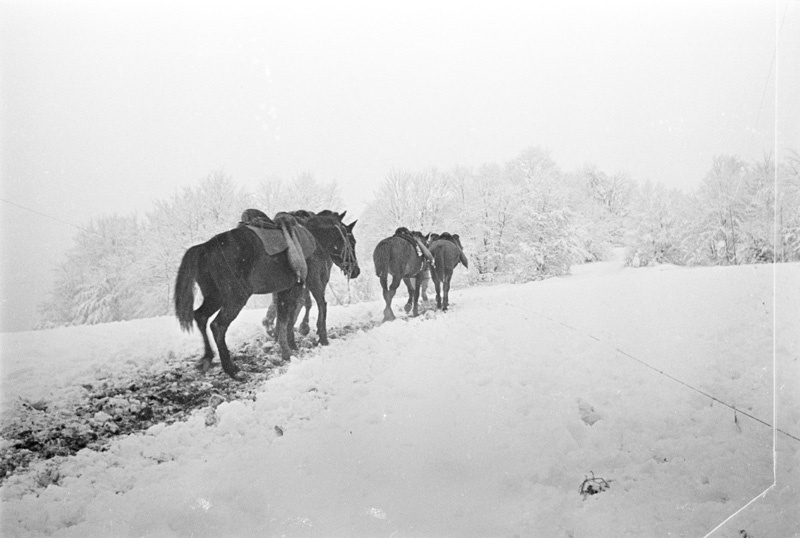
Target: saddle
{"points": [[272, 236], [404, 233], [416, 242]]}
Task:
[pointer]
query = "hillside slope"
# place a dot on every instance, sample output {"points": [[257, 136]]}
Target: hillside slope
{"points": [[489, 420]]}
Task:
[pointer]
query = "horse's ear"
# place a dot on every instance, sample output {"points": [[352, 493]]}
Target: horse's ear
{"points": [[342, 214], [351, 225]]}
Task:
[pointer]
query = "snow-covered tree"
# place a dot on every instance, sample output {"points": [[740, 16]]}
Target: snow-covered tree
{"points": [[722, 209], [304, 192], [193, 215], [787, 236], [658, 225], [98, 282]]}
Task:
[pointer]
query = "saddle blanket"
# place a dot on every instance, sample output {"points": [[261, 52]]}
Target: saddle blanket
{"points": [[275, 243]]}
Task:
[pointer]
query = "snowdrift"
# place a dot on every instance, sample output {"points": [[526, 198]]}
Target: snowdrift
{"points": [[490, 420]]}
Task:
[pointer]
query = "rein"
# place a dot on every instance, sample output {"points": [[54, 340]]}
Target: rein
{"points": [[348, 260]]}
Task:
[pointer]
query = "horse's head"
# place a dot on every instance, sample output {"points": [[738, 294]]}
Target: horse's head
{"points": [[342, 245]]}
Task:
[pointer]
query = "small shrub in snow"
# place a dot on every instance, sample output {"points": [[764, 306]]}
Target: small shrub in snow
{"points": [[593, 486]]}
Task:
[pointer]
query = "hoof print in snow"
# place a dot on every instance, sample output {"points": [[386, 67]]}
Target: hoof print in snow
{"points": [[588, 415], [593, 486], [278, 431]]}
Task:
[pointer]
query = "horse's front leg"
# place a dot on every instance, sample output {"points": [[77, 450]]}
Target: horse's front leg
{"points": [[269, 317], [304, 327], [293, 311], [322, 314]]}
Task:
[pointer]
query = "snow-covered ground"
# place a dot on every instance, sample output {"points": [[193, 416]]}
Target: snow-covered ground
{"points": [[484, 421]]}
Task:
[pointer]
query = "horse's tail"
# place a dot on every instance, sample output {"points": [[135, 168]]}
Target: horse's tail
{"points": [[297, 260], [463, 258], [184, 287]]}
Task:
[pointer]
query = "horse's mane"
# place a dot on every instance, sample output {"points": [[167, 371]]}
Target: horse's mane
{"points": [[328, 213], [302, 214]]}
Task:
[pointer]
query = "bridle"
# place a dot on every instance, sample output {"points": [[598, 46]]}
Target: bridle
{"points": [[347, 260]]}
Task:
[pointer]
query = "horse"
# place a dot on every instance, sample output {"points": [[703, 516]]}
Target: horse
{"points": [[335, 245], [447, 251], [405, 257], [229, 268]]}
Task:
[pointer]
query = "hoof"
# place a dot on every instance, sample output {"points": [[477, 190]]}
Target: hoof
{"points": [[407, 308], [203, 365], [304, 329], [323, 342], [239, 376]]}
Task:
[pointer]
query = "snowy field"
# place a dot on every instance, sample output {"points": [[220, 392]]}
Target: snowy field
{"points": [[484, 421]]}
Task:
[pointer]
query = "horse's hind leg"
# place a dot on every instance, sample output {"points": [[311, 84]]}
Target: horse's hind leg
{"points": [[411, 285], [446, 290], [219, 327], [388, 295], [437, 284], [210, 305]]}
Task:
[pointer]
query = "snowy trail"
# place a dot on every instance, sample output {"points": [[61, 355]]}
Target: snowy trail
{"points": [[480, 422]]}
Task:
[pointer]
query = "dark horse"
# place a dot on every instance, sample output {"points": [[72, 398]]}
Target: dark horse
{"points": [[405, 257], [335, 245], [229, 268], [447, 252]]}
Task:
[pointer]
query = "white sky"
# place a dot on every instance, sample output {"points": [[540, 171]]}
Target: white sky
{"points": [[107, 106]]}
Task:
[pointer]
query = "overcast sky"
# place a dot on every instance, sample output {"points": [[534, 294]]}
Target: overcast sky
{"points": [[108, 106]]}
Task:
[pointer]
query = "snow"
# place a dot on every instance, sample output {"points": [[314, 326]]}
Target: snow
{"points": [[484, 421]]}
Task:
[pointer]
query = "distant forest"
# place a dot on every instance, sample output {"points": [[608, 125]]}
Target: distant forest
{"points": [[519, 221]]}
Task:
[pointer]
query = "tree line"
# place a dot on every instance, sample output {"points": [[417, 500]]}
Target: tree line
{"points": [[522, 220]]}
